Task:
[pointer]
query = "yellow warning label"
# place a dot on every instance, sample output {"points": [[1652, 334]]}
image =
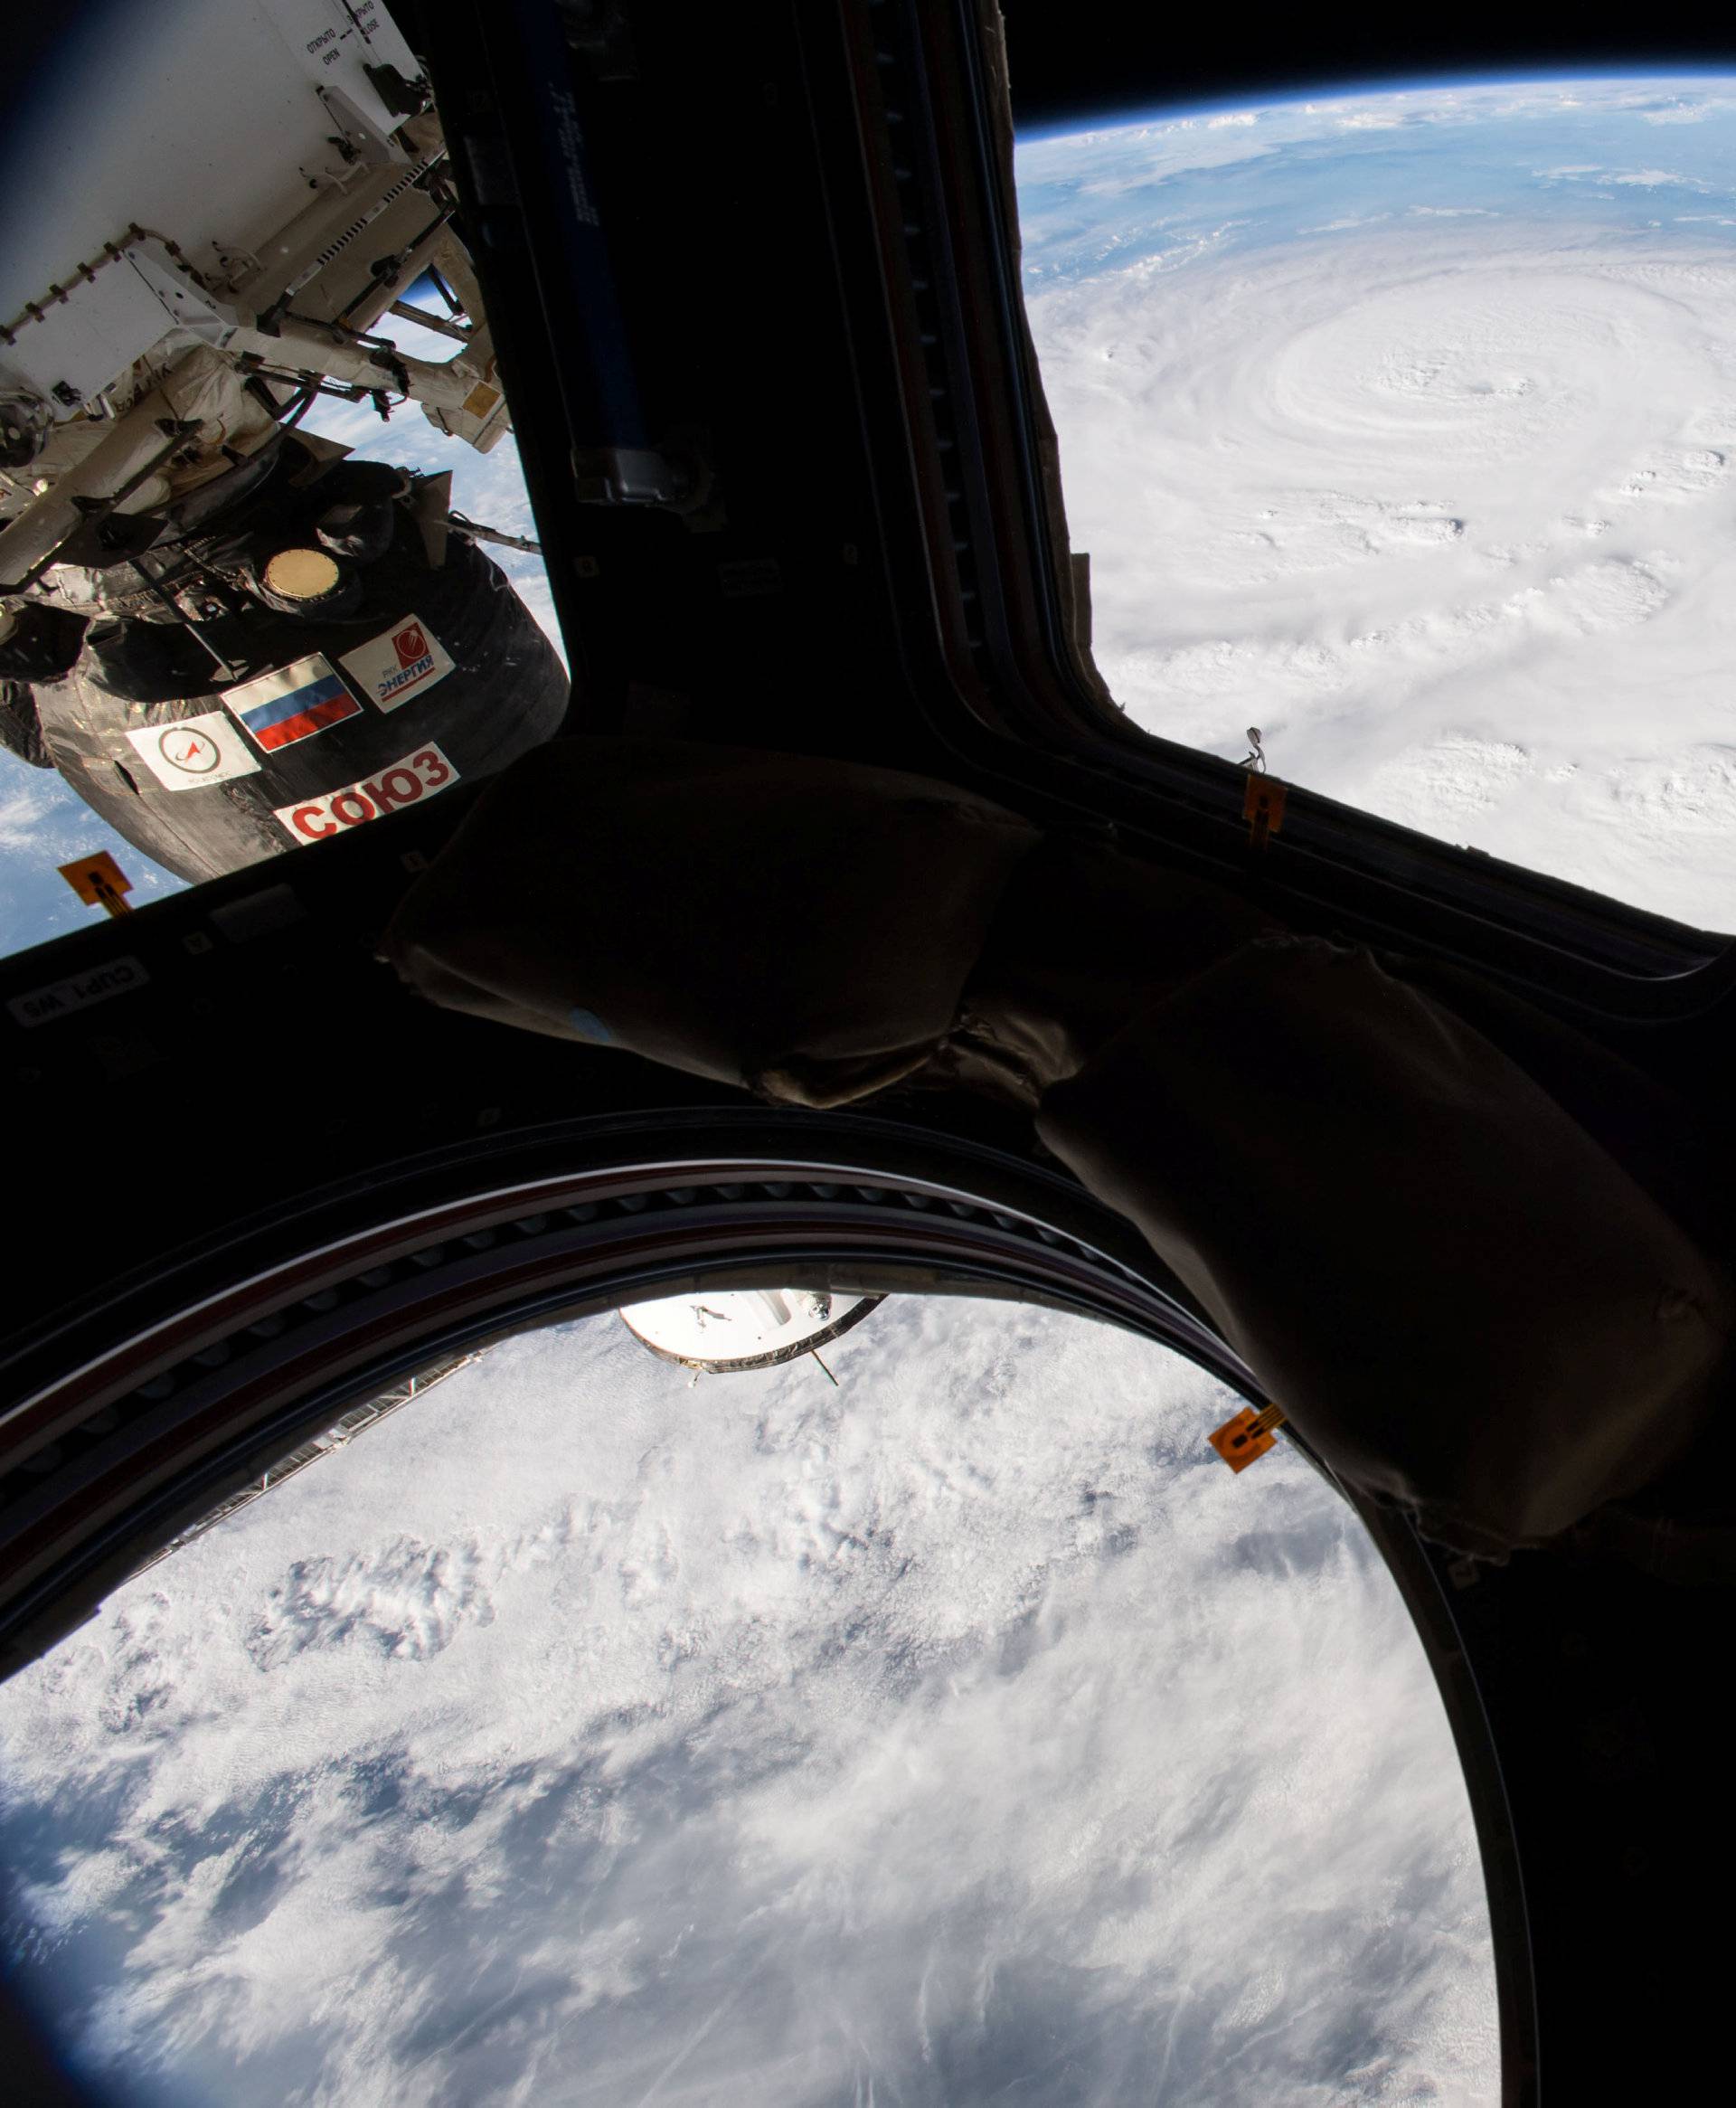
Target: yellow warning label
{"points": [[99, 881]]}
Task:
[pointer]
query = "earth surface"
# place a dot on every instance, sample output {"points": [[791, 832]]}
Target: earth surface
{"points": [[966, 1733], [1402, 427]]}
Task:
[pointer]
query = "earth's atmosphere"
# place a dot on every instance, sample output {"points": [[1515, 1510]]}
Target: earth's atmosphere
{"points": [[966, 1733], [1401, 426]]}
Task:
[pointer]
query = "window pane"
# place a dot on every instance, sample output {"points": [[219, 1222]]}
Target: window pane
{"points": [[44, 820], [242, 643], [1399, 426], [592, 1732]]}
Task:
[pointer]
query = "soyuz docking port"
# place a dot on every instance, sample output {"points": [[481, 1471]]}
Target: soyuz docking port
{"points": [[727, 1329], [230, 640]]}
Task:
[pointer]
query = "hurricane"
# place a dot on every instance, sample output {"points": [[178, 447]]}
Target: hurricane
{"points": [[1403, 427]]}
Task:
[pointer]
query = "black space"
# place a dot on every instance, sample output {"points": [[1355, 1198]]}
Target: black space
{"points": [[1074, 59], [1095, 58]]}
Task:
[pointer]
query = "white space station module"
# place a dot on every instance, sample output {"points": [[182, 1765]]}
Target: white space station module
{"points": [[232, 638], [719, 1331]]}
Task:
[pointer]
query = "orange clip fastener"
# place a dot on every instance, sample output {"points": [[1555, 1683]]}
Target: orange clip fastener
{"points": [[1249, 1435], [1262, 807]]}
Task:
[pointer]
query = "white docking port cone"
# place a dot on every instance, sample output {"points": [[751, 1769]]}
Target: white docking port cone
{"points": [[725, 1329]]}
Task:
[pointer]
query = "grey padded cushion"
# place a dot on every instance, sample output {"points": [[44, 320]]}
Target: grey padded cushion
{"points": [[801, 926], [1462, 1300]]}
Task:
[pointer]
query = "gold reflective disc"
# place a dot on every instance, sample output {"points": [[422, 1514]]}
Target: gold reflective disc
{"points": [[301, 574]]}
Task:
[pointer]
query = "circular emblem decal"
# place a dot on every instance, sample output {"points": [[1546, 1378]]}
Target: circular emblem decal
{"points": [[197, 752]]}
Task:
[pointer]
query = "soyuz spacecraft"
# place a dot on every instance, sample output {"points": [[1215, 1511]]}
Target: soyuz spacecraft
{"points": [[232, 638]]}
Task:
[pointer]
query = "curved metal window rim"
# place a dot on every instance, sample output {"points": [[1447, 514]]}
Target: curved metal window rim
{"points": [[189, 1408]]}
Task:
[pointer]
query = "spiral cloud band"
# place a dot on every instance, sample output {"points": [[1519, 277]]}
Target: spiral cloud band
{"points": [[1402, 428]]}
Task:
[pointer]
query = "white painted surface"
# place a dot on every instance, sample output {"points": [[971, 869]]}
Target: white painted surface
{"points": [[738, 1324]]}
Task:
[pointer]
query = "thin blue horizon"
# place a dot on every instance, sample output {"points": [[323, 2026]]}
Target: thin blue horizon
{"points": [[1357, 91]]}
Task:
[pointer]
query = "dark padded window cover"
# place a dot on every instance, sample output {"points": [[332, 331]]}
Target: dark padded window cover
{"points": [[1473, 1300]]}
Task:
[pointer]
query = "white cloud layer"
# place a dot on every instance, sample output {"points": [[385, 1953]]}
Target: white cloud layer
{"points": [[579, 1737], [1434, 486]]}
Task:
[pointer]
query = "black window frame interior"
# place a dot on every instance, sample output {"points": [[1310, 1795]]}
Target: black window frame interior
{"points": [[805, 305]]}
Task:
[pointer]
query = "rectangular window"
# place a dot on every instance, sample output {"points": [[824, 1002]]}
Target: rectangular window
{"points": [[1400, 427]]}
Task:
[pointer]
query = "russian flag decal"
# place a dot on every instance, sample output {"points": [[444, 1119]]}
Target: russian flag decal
{"points": [[292, 704]]}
